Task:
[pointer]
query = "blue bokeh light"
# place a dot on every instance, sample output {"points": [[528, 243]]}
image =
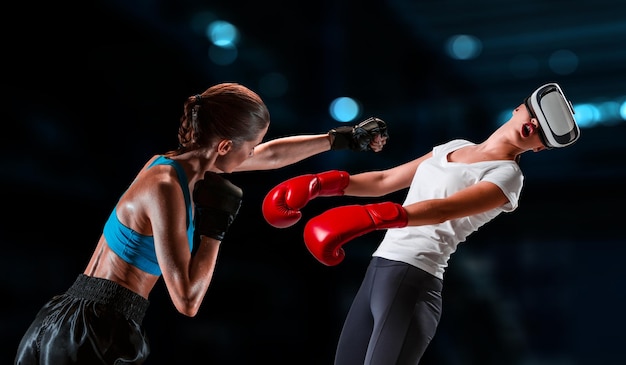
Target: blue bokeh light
{"points": [[344, 109]]}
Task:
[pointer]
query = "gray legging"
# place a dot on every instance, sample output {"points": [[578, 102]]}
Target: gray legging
{"points": [[393, 317]]}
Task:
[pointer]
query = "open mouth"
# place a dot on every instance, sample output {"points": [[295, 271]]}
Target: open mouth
{"points": [[527, 129]]}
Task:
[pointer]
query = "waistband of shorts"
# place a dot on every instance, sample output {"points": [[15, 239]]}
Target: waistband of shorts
{"points": [[132, 305]]}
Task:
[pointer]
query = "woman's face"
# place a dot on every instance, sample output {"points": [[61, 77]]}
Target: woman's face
{"points": [[238, 154], [529, 129]]}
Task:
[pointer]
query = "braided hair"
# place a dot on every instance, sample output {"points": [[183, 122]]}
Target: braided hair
{"points": [[223, 111]]}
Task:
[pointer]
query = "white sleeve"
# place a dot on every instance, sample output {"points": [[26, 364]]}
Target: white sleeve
{"points": [[510, 180]]}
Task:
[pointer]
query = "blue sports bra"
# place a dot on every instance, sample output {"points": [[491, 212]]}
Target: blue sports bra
{"points": [[138, 249]]}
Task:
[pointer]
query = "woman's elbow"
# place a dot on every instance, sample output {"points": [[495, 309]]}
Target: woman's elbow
{"points": [[187, 308], [188, 311]]}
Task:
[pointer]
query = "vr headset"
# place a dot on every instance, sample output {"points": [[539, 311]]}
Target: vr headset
{"points": [[555, 115]]}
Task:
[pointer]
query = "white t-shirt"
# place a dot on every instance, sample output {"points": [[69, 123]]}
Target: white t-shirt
{"points": [[429, 247]]}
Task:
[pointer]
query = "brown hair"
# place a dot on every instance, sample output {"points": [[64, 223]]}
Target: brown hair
{"points": [[226, 110]]}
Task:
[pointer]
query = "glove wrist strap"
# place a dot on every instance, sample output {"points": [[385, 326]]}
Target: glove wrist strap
{"points": [[341, 138]]}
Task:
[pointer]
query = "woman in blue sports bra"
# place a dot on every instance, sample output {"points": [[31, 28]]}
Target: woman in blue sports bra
{"points": [[169, 223]]}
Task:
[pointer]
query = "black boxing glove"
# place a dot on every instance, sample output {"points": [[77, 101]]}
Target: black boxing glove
{"points": [[358, 137], [217, 202]]}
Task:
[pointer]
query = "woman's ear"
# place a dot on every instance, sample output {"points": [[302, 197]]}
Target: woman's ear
{"points": [[224, 146]]}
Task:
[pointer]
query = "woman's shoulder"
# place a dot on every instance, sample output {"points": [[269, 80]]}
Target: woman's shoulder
{"points": [[452, 145], [158, 171]]}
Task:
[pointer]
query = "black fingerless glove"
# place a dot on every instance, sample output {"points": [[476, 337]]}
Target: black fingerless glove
{"points": [[358, 137], [217, 202]]}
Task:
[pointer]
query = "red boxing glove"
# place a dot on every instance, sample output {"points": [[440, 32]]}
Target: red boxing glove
{"points": [[325, 234], [281, 206]]}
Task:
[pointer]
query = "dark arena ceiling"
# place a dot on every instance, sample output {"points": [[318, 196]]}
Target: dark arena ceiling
{"points": [[392, 56]]}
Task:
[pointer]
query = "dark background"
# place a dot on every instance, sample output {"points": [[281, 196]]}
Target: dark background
{"points": [[94, 89]]}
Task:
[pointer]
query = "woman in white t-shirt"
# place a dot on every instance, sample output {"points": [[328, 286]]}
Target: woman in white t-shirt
{"points": [[452, 191]]}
